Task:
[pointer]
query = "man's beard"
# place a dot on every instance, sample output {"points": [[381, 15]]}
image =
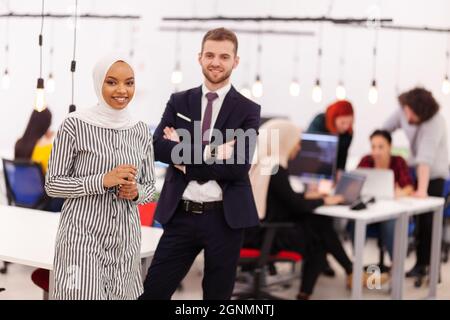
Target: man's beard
{"points": [[225, 77]]}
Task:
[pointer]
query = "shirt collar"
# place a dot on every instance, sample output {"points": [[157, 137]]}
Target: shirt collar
{"points": [[222, 92]]}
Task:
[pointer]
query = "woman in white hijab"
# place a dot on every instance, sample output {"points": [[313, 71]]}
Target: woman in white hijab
{"points": [[276, 201], [102, 164]]}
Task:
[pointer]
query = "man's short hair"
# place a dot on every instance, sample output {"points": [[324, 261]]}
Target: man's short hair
{"points": [[221, 34]]}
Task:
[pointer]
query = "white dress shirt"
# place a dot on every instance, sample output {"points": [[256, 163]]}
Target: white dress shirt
{"points": [[210, 191]]}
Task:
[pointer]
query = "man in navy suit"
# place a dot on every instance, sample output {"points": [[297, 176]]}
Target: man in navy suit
{"points": [[206, 201]]}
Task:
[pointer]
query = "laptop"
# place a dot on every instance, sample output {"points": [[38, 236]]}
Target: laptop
{"points": [[350, 186], [380, 183]]}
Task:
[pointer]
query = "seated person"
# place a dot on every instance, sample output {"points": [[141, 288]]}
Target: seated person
{"points": [[381, 158], [36, 145], [276, 201]]}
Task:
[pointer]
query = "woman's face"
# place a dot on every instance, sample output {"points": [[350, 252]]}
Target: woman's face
{"points": [[344, 123], [295, 150], [381, 149], [118, 87]]}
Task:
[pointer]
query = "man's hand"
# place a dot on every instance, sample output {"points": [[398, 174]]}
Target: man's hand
{"points": [[225, 151], [181, 168], [171, 134]]}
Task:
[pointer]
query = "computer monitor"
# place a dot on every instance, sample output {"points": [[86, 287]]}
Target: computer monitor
{"points": [[266, 118], [317, 158]]}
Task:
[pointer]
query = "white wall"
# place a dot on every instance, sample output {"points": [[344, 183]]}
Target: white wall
{"points": [[422, 62]]}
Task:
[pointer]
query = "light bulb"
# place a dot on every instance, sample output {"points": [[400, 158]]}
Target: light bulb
{"points": [[294, 88], [373, 93], [51, 84], [246, 92], [446, 86], [317, 92], [177, 76], [341, 93], [6, 80], [257, 88], [40, 103]]}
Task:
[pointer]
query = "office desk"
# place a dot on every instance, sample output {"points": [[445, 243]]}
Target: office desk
{"points": [[28, 237], [416, 207], [384, 210]]}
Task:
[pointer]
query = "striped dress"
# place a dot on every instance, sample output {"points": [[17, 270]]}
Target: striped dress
{"points": [[98, 241]]}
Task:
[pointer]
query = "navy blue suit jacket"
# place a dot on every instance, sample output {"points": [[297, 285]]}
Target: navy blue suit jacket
{"points": [[237, 112]]}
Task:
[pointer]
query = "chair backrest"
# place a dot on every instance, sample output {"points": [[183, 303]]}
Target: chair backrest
{"points": [[147, 214], [24, 183], [446, 195]]}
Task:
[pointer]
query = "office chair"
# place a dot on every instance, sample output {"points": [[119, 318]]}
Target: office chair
{"points": [[260, 261], [24, 183], [445, 242]]}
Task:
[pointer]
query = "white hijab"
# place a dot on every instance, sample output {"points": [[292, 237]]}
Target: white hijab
{"points": [[103, 115], [276, 139]]}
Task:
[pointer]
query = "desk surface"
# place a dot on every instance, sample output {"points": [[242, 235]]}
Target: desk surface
{"points": [[28, 237], [383, 209]]}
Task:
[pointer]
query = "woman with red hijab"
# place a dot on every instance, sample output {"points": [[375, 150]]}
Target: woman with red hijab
{"points": [[338, 119]]}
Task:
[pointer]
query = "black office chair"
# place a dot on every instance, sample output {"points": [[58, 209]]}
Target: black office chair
{"points": [[261, 262]]}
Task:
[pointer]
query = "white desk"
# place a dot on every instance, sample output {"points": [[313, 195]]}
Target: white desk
{"points": [[28, 237], [384, 210], [416, 207]]}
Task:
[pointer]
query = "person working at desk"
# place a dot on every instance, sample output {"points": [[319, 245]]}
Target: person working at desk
{"points": [[36, 142], [381, 158], [102, 163], [426, 129], [276, 201], [337, 120]]}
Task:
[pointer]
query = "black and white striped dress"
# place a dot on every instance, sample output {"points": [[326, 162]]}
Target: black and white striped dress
{"points": [[98, 242]]}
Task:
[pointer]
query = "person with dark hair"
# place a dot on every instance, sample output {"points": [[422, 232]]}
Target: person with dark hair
{"points": [[36, 143], [205, 205], [426, 130], [381, 158]]}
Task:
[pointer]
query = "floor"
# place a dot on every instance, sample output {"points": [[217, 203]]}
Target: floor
{"points": [[19, 286]]}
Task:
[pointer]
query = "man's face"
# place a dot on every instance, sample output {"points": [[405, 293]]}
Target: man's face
{"points": [[410, 115], [218, 60]]}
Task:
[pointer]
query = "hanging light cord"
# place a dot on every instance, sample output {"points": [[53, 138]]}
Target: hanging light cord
{"points": [[342, 60], [73, 64], [258, 68], [177, 50], [399, 62], [375, 53], [52, 48], [7, 40], [296, 58], [319, 50], [447, 56], [41, 39]]}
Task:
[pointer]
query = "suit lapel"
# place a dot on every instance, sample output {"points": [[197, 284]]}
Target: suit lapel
{"points": [[195, 107], [226, 109]]}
